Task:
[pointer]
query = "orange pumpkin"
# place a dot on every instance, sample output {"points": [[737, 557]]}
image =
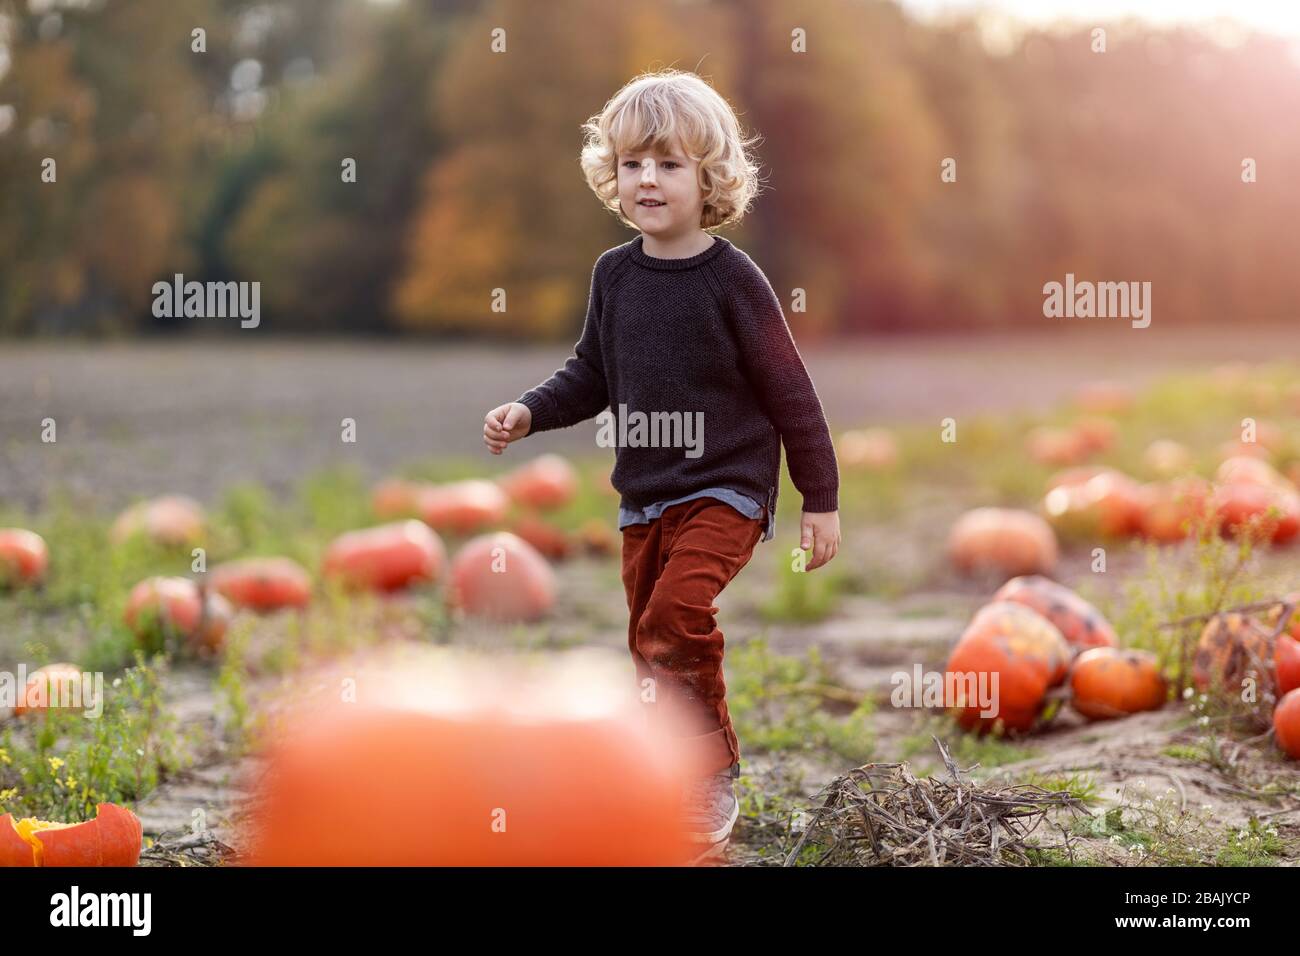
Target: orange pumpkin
{"points": [[112, 838], [24, 557], [1286, 723], [1081, 624], [1250, 471], [1025, 651], [263, 584], [1232, 647], [463, 507], [1170, 510], [1096, 432], [1078, 475], [1107, 682], [870, 449], [1056, 446], [456, 772], [160, 609], [550, 541], [1106, 505], [1286, 663], [386, 558], [1272, 512], [170, 521], [398, 498], [501, 577], [1005, 540], [46, 684], [546, 482]]}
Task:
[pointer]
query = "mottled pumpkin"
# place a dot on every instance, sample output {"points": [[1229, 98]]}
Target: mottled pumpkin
{"points": [[1078, 621], [1023, 648], [1107, 682], [1232, 647]]}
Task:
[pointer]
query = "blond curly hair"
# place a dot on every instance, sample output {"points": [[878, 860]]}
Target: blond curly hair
{"points": [[652, 110]]}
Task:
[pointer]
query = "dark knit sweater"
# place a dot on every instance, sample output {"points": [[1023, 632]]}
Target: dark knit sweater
{"points": [[700, 334]]}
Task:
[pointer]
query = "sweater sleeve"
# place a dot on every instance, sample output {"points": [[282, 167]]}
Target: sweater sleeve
{"points": [[777, 374], [577, 391]]}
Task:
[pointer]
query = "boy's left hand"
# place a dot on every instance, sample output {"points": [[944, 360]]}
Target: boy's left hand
{"points": [[821, 532]]}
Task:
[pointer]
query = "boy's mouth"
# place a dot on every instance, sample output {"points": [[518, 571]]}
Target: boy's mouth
{"points": [[649, 203]]}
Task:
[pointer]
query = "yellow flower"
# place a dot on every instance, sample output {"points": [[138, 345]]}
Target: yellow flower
{"points": [[4, 756], [55, 764]]}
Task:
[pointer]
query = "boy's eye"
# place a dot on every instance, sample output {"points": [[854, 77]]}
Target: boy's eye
{"points": [[633, 164]]}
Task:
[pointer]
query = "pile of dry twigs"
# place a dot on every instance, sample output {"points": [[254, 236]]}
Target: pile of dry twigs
{"points": [[881, 815]]}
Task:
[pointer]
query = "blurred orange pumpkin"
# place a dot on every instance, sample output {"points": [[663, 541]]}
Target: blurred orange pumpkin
{"points": [[54, 685], [263, 584], [550, 541], [397, 498], [1286, 723], [1170, 510], [112, 838], [463, 507], [546, 482], [388, 557], [1096, 432], [1023, 648], [1107, 682], [1107, 505], [1056, 446], [1081, 624], [24, 557], [1006, 540], [161, 608], [169, 520], [1245, 507], [501, 577], [466, 774]]}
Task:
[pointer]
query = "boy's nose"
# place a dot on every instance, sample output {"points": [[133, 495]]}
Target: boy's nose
{"points": [[647, 170]]}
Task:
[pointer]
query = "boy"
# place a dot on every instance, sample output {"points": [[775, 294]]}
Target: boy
{"points": [[682, 326]]}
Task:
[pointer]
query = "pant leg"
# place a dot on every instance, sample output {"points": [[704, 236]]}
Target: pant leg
{"points": [[693, 551]]}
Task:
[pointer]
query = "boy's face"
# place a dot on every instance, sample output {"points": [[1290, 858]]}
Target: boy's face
{"points": [[668, 178]]}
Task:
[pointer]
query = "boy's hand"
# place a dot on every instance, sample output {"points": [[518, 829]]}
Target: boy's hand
{"points": [[506, 423], [821, 532]]}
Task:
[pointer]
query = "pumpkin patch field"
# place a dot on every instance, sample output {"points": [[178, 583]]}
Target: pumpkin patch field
{"points": [[1070, 627]]}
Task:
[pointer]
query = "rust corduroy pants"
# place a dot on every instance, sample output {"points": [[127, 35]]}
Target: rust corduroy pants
{"points": [[673, 569]]}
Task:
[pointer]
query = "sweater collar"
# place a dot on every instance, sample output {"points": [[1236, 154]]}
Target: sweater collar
{"points": [[674, 265]]}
